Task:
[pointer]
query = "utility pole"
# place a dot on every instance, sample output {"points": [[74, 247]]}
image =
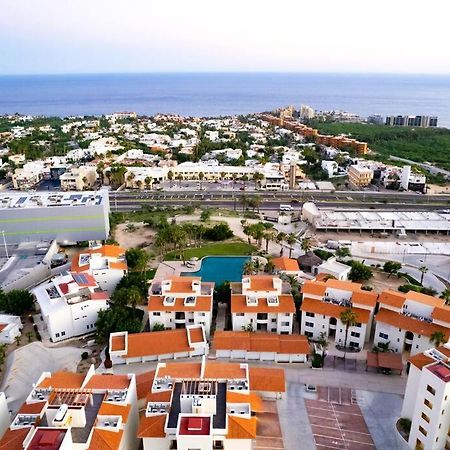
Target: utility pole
{"points": [[4, 242]]}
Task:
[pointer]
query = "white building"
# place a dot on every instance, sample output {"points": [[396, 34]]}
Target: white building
{"points": [[427, 399], [107, 264], [334, 268], [28, 176], [78, 178], [206, 405], [324, 302], [69, 305], [261, 303], [181, 301], [330, 167], [10, 328], [103, 145], [407, 321], [74, 411], [126, 348]]}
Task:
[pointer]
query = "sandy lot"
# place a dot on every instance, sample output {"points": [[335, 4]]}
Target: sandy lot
{"points": [[141, 237], [381, 282]]}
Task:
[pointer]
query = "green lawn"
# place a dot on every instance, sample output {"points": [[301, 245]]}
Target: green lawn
{"points": [[214, 249]]}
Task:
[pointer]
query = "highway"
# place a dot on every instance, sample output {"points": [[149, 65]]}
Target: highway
{"points": [[129, 200]]}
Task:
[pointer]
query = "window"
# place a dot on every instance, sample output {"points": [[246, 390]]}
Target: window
{"points": [[427, 402], [431, 390], [239, 314], [309, 314], [274, 320], [156, 313], [354, 344], [284, 324], [57, 334], [287, 314], [308, 334], [87, 326], [309, 324], [358, 325], [63, 333], [425, 417], [202, 314], [383, 335], [422, 430], [355, 334]]}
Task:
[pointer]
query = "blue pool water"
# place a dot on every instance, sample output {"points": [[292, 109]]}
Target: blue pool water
{"points": [[220, 269]]}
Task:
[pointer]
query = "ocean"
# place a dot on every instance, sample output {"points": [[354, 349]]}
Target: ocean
{"points": [[215, 94]]}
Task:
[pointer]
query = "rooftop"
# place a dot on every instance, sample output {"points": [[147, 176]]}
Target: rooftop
{"points": [[441, 370]]}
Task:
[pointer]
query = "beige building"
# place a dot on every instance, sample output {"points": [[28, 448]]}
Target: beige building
{"points": [[78, 178], [359, 176]]}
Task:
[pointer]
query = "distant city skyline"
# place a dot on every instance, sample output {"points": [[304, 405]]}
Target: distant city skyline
{"points": [[54, 37]]}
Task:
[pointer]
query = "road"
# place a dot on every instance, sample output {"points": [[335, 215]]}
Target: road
{"points": [[429, 167]]}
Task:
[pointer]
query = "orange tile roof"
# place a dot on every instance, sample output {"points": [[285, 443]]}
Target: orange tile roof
{"points": [[365, 298], [392, 298], [111, 409], [182, 284], [13, 439], [287, 264], [286, 305], [314, 288], [196, 335], [117, 343], [261, 342], [265, 379], [105, 439], [156, 397], [420, 360], [32, 408], [108, 381], [343, 285], [444, 350], [424, 298], [408, 323], [144, 383], [219, 370], [180, 370], [256, 404], [109, 251], [332, 310], [261, 282], [202, 303], [441, 313], [152, 426], [120, 265], [63, 380], [240, 428]]}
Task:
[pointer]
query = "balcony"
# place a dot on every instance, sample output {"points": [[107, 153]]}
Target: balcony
{"points": [[262, 317]]}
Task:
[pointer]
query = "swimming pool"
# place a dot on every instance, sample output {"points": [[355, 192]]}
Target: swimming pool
{"points": [[220, 269]]}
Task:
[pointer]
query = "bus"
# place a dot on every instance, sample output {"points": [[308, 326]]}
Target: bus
{"points": [[286, 208]]}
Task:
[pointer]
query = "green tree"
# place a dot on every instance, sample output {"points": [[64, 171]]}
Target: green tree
{"points": [[349, 319], [131, 296], [158, 327], [423, 270], [446, 296], [249, 328], [343, 252], [170, 177], [205, 215], [16, 302], [360, 272], [291, 240], [391, 267], [115, 319], [306, 244], [438, 338], [18, 339], [137, 259], [222, 293]]}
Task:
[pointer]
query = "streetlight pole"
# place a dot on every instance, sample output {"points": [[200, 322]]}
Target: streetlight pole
{"points": [[4, 242]]}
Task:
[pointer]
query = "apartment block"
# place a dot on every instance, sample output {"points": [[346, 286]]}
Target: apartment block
{"points": [[325, 301], [181, 301], [427, 399], [206, 405], [360, 176], [107, 264], [261, 346], [407, 321], [412, 121], [78, 178], [126, 348], [69, 305], [73, 411], [262, 303]]}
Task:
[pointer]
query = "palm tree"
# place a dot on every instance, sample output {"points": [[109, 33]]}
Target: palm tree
{"points": [[249, 267], [170, 177], [423, 270], [291, 240], [139, 184], [269, 235], [85, 182], [279, 239], [180, 178], [438, 338], [222, 175], [201, 176], [446, 296], [244, 202], [130, 178], [349, 319], [148, 182], [244, 179], [306, 244]]}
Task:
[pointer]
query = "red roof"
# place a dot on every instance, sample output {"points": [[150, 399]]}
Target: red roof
{"points": [[195, 426], [47, 439]]}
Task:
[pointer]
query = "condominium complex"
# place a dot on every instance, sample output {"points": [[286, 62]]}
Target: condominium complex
{"points": [[407, 321], [206, 405], [324, 302], [262, 303], [69, 305], [427, 399], [67, 411], [181, 301], [45, 216], [360, 176], [127, 348], [107, 264], [412, 121]]}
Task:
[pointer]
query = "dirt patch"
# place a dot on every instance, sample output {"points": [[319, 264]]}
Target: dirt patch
{"points": [[134, 234], [381, 281]]}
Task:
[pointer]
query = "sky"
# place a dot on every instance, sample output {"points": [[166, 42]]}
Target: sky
{"points": [[105, 36]]}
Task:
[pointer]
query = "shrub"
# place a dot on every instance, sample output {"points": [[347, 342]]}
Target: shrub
{"points": [[85, 355], [316, 361]]}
